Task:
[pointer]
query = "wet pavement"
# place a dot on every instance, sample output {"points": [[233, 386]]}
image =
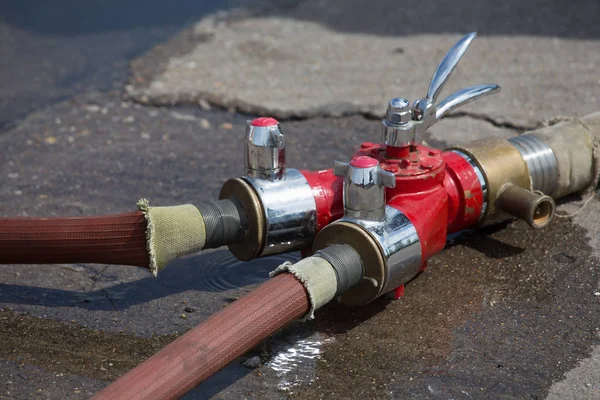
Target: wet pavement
{"points": [[505, 312]]}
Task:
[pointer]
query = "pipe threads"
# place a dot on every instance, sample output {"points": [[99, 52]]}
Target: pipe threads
{"points": [[225, 222], [541, 162], [346, 263]]}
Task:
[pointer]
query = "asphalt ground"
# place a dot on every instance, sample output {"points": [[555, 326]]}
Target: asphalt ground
{"points": [[505, 312]]}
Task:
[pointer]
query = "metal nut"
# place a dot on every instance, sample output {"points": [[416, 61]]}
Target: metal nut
{"points": [[399, 111]]}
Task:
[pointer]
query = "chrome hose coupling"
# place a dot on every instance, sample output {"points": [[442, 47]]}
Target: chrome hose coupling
{"points": [[280, 199], [384, 238]]}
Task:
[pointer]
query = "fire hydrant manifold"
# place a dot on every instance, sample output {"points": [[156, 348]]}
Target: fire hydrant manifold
{"points": [[365, 227], [393, 203]]}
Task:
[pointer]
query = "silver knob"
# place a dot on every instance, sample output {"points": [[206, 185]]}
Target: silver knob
{"points": [[398, 125], [424, 112], [398, 111], [364, 187], [265, 149]]}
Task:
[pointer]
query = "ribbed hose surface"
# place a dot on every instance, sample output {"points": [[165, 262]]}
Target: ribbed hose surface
{"points": [[110, 239], [216, 342]]}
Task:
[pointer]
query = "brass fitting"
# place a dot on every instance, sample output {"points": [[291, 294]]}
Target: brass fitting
{"points": [[537, 209], [524, 173], [501, 164], [254, 239]]}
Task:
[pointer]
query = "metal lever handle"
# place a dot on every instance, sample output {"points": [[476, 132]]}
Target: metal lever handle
{"points": [[403, 126], [462, 97], [447, 65]]}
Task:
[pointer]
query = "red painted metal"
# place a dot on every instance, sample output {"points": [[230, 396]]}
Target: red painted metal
{"points": [[398, 292], [328, 191], [264, 121], [438, 191], [465, 194], [363, 162], [398, 152]]}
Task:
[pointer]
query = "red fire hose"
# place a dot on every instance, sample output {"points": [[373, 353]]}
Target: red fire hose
{"points": [[216, 342], [110, 239]]}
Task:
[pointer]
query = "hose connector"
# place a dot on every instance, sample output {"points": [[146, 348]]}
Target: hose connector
{"points": [[384, 238], [330, 272], [535, 208], [279, 203], [177, 231]]}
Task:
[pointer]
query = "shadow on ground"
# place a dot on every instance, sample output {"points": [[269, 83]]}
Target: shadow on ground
{"points": [[563, 18], [217, 271], [72, 17]]}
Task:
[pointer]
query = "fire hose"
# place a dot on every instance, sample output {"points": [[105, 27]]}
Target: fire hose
{"points": [[151, 237], [366, 226]]}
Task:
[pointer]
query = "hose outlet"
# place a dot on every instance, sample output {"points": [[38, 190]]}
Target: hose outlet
{"points": [[390, 252], [364, 187], [346, 263], [535, 208]]}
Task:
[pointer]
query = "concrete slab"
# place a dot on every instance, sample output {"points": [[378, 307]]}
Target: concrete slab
{"points": [[51, 52], [582, 382], [292, 68]]}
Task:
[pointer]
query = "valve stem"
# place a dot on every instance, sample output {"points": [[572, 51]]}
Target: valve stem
{"points": [[265, 149]]}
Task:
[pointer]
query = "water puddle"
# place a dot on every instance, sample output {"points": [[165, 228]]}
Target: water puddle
{"points": [[294, 359]]}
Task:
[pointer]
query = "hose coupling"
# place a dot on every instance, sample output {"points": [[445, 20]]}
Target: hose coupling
{"points": [[328, 273], [279, 203], [382, 236]]}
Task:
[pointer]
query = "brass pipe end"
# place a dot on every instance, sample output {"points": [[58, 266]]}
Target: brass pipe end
{"points": [[537, 209]]}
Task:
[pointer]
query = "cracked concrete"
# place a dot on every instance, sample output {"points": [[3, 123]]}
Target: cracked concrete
{"points": [[496, 123]]}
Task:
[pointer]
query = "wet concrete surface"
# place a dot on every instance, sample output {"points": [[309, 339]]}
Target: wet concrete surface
{"points": [[499, 314], [502, 313], [23, 381]]}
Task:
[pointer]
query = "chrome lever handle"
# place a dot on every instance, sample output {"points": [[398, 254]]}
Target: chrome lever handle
{"points": [[462, 97], [447, 65], [404, 125]]}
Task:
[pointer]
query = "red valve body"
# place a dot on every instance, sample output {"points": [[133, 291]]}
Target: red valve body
{"points": [[439, 192]]}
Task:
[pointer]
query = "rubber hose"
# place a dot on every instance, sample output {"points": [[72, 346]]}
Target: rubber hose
{"points": [[111, 239], [223, 337]]}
